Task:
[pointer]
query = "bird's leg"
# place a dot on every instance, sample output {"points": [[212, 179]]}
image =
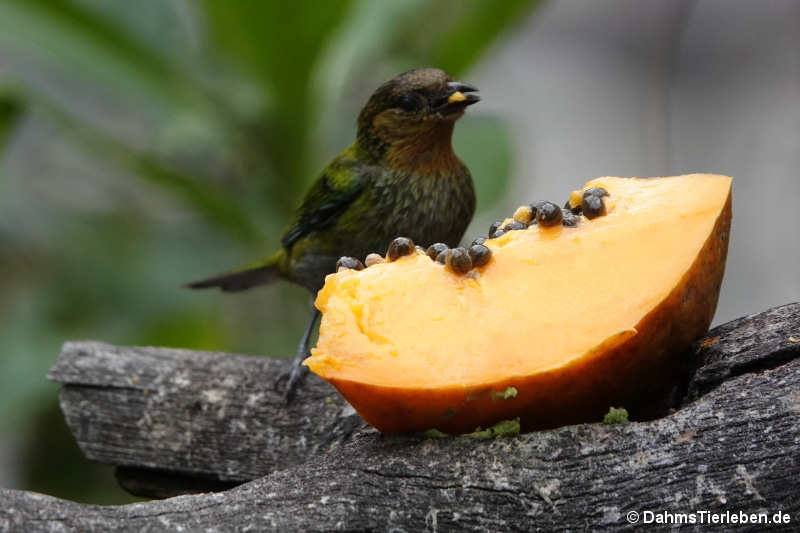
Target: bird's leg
{"points": [[298, 372]]}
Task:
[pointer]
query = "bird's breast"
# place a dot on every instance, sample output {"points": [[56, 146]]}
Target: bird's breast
{"points": [[428, 207]]}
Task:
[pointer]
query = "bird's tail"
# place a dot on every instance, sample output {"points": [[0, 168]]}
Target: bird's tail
{"points": [[259, 273]]}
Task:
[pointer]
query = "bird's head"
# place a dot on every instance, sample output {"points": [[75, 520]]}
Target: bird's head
{"points": [[414, 113]]}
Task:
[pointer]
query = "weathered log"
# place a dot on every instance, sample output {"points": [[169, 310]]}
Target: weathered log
{"points": [[748, 344], [200, 414], [733, 447]]}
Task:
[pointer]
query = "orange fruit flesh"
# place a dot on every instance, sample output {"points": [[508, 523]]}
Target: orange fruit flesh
{"points": [[548, 298]]}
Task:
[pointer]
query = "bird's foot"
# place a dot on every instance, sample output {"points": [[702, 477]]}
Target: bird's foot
{"points": [[295, 377], [291, 381]]}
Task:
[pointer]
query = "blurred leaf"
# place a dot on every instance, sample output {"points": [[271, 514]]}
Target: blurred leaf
{"points": [[485, 146], [11, 108], [209, 200], [356, 59], [82, 43], [99, 52], [25, 336], [187, 328], [478, 26], [278, 42], [365, 35]]}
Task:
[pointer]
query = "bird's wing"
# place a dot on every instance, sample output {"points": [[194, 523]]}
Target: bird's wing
{"points": [[328, 198]]}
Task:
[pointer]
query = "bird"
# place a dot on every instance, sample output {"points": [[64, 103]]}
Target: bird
{"points": [[400, 177]]}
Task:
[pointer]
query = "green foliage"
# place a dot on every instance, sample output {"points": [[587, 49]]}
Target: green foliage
{"points": [[282, 63], [616, 416], [168, 140], [479, 23], [484, 144], [11, 109], [504, 428], [69, 38]]}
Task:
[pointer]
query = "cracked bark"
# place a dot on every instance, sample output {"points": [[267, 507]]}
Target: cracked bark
{"points": [[212, 420]]}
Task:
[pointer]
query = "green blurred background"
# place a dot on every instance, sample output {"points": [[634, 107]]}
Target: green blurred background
{"points": [[144, 144]]}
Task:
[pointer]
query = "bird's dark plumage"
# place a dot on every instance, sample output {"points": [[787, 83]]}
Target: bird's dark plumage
{"points": [[399, 178]]}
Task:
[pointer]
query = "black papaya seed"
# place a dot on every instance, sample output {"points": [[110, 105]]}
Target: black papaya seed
{"points": [[595, 191], [435, 249], [569, 219], [479, 240], [514, 225], [479, 254], [548, 214], [495, 226], [399, 247], [457, 260], [593, 206], [349, 262]]}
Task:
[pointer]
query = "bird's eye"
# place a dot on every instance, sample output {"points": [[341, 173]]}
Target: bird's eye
{"points": [[408, 102]]}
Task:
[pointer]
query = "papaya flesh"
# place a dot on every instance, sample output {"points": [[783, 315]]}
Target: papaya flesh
{"points": [[561, 324]]}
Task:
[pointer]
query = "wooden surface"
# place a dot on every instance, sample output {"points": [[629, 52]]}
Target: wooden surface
{"points": [[734, 445], [210, 415]]}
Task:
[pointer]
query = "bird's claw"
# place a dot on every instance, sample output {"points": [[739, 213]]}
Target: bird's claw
{"points": [[278, 385], [294, 379], [289, 382]]}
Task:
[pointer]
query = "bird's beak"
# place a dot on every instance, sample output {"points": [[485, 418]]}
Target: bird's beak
{"points": [[456, 94]]}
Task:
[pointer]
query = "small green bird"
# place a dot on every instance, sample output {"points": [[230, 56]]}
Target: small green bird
{"points": [[399, 178]]}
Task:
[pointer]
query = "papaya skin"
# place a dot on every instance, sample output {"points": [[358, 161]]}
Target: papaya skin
{"points": [[635, 368]]}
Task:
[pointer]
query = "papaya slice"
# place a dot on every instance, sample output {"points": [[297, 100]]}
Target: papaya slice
{"points": [[559, 325]]}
